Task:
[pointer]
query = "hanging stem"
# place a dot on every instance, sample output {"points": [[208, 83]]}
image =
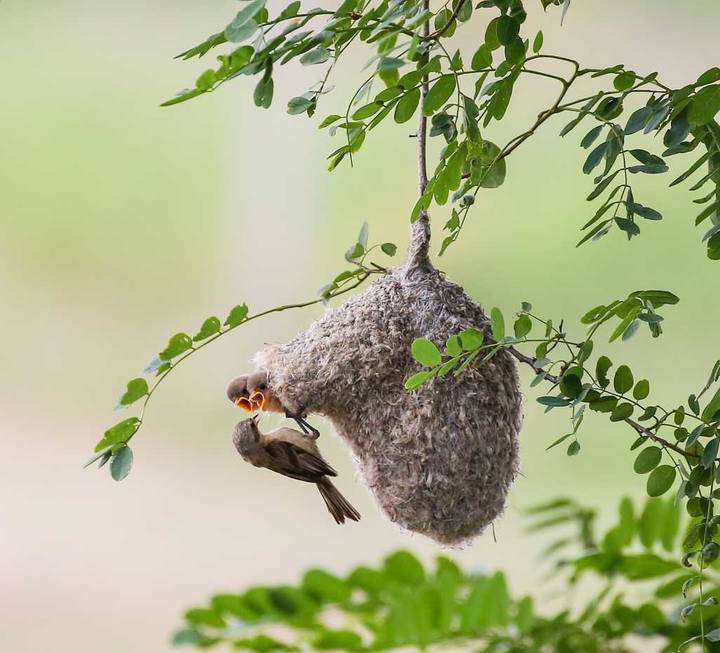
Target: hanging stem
{"points": [[420, 232]]}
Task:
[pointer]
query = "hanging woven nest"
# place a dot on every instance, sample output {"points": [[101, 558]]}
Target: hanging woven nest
{"points": [[440, 460]]}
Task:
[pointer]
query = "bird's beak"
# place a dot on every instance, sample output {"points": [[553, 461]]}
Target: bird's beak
{"points": [[245, 404], [258, 398]]}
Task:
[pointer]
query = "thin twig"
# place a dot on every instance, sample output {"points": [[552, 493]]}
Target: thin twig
{"points": [[453, 17]]}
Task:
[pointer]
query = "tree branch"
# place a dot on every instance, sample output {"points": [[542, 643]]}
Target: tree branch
{"points": [[419, 247]]}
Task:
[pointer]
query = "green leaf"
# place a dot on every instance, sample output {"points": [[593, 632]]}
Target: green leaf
{"points": [[204, 617], [366, 111], [405, 568], [621, 412], [712, 407], [602, 367], [571, 383], [209, 327], [263, 94], [237, 315], [178, 344], [316, 56], [298, 105], [135, 389], [329, 120], [239, 33], [658, 298], [626, 527], [121, 463], [560, 440], [705, 105], [488, 170], [471, 339], [507, 29], [425, 352], [497, 323], [626, 324], [247, 12], [623, 380], [591, 136], [439, 94], [710, 453], [641, 389], [638, 120], [643, 566], [554, 402], [669, 526], [624, 81], [417, 379], [660, 480], [206, 80], [538, 42], [183, 96], [406, 107], [647, 460], [482, 57], [121, 432], [389, 248], [453, 346], [650, 521], [713, 635], [522, 326], [594, 158], [325, 587], [337, 640], [573, 449], [643, 211]]}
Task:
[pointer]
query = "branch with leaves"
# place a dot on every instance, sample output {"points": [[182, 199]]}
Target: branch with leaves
{"points": [[403, 604], [463, 100], [114, 446]]}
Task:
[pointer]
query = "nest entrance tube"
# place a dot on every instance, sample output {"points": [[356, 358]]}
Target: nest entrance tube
{"points": [[439, 460]]}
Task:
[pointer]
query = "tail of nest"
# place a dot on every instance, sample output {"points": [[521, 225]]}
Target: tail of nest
{"points": [[418, 258]]}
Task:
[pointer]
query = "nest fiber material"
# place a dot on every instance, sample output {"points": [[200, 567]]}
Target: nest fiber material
{"points": [[440, 460]]}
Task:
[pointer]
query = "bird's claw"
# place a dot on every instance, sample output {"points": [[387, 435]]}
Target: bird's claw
{"points": [[299, 417]]}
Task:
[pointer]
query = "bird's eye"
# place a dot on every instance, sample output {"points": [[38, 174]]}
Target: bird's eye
{"points": [[262, 386]]}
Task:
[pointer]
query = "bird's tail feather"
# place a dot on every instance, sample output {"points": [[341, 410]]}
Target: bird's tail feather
{"points": [[336, 503]]}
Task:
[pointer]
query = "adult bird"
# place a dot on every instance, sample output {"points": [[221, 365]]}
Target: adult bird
{"points": [[293, 454]]}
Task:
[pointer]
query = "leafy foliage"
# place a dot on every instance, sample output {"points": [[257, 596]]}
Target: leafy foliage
{"points": [[403, 604], [416, 71], [464, 99]]}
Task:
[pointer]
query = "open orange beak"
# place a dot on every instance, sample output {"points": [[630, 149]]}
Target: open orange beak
{"points": [[257, 398], [245, 404]]}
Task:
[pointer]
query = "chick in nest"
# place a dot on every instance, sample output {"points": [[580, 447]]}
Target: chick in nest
{"points": [[252, 393]]}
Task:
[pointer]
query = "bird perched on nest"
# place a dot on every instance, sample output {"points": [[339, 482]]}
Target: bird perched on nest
{"points": [[251, 393], [296, 455]]}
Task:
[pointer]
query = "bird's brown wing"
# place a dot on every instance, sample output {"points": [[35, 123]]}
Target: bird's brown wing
{"points": [[291, 460]]}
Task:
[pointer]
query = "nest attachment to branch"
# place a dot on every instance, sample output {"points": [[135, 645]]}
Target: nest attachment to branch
{"points": [[440, 460]]}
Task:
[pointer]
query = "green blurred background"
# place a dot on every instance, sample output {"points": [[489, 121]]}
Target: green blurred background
{"points": [[122, 223]]}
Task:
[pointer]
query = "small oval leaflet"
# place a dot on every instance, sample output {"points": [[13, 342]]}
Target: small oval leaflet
{"points": [[647, 460], [121, 463], [660, 480]]}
